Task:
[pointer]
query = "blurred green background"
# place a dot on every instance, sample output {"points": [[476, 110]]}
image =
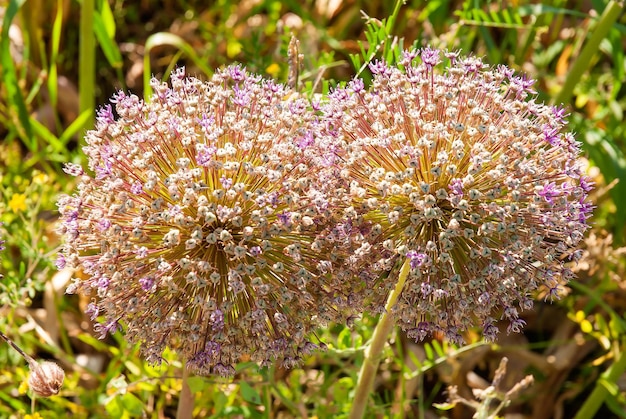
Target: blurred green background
{"points": [[60, 60]]}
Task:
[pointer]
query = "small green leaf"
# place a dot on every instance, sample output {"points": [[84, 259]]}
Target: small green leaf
{"points": [[438, 348], [444, 406], [429, 351], [249, 394], [132, 404], [107, 43], [344, 339], [107, 19]]}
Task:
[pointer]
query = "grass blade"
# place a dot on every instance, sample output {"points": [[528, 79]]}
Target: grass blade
{"points": [[9, 77]]}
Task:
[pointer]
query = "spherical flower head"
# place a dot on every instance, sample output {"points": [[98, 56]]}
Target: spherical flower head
{"points": [[196, 228], [453, 165]]}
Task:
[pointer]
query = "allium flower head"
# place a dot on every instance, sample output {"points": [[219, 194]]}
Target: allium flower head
{"points": [[196, 228], [454, 165]]}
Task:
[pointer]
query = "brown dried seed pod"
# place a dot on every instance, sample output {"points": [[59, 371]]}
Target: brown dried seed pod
{"points": [[46, 379]]}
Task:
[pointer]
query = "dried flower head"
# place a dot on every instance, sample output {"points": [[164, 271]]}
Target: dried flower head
{"points": [[196, 230], [455, 166], [46, 378]]}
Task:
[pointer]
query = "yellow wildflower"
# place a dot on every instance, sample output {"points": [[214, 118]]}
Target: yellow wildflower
{"points": [[273, 69], [18, 202], [41, 178]]}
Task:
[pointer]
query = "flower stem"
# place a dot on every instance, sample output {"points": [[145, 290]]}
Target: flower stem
{"points": [[375, 348], [607, 381], [185, 402], [604, 24], [28, 358]]}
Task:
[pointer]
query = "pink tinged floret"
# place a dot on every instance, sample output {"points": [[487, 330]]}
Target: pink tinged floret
{"points": [[104, 224], [356, 86], [505, 71], [379, 67], [104, 115], [307, 140], [516, 326], [204, 154], [453, 56], [107, 328], [585, 211], [242, 96], [136, 188], [408, 56], [206, 122], [216, 319], [146, 283], [284, 218], [237, 73], [416, 258], [227, 183], [92, 311], [60, 261], [456, 187], [430, 57], [559, 113], [586, 184], [490, 331], [297, 108], [73, 169], [522, 83], [102, 283], [552, 135], [548, 192], [103, 170]]}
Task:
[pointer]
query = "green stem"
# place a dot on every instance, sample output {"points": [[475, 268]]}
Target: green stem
{"points": [[87, 61], [375, 349], [605, 23], [601, 391], [185, 401]]}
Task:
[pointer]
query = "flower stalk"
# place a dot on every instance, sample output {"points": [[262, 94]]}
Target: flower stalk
{"points": [[374, 350], [186, 401]]}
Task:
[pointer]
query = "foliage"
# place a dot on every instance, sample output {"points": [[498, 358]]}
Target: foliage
{"points": [[574, 348]]}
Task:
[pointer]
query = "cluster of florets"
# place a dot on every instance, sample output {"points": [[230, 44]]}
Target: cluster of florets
{"points": [[229, 219], [452, 165], [197, 229]]}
